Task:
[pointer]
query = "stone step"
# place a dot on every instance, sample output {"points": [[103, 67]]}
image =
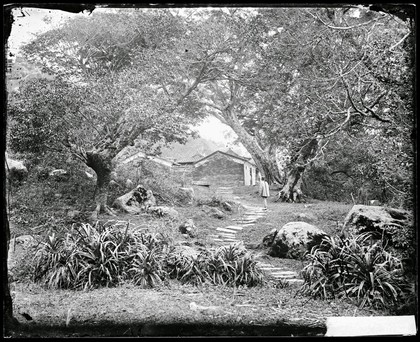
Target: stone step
{"points": [[294, 281], [260, 209], [219, 229], [225, 235], [284, 272], [234, 227], [248, 217], [271, 268], [249, 224], [246, 221], [279, 276], [231, 240]]}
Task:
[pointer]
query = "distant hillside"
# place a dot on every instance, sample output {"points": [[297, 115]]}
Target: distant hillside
{"points": [[194, 149]]}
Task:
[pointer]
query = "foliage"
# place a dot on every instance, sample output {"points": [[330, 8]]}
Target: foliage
{"points": [[228, 265], [42, 202], [401, 241], [370, 162], [155, 71], [356, 269], [103, 96], [107, 254], [162, 182], [102, 255], [38, 117]]}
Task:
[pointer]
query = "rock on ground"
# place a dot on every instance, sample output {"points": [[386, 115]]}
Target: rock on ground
{"points": [[164, 212], [393, 227], [293, 240], [364, 218], [135, 200], [214, 212], [188, 227], [16, 170], [187, 195]]}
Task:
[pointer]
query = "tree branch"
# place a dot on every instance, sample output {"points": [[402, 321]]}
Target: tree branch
{"points": [[341, 27], [340, 126], [398, 43]]}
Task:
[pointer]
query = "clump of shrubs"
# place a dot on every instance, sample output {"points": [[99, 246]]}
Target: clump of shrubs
{"points": [[107, 254], [228, 265], [357, 268]]}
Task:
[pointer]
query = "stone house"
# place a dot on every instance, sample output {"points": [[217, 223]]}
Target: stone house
{"points": [[130, 166], [218, 169]]}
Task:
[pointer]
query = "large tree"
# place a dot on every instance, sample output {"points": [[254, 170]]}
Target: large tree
{"points": [[293, 78], [286, 79], [113, 86]]}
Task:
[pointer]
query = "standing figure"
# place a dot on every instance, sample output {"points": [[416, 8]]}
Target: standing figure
{"points": [[264, 191]]}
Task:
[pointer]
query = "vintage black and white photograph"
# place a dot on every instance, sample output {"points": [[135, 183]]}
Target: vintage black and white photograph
{"points": [[209, 170]]}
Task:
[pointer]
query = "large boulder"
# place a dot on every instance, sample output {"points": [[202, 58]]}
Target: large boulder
{"points": [[135, 201], [395, 227], [16, 171], [293, 240], [367, 218]]}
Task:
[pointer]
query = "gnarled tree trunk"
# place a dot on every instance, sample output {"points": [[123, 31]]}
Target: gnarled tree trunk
{"points": [[102, 164], [266, 163], [292, 190]]}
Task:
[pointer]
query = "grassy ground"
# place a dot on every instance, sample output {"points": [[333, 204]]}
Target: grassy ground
{"points": [[272, 309]]}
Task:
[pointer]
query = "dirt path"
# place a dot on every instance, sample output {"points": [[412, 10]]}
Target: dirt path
{"points": [[249, 215]]}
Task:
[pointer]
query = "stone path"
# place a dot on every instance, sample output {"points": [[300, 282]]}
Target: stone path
{"points": [[227, 235]]}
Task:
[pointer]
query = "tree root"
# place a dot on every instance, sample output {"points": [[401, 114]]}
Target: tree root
{"points": [[100, 208], [109, 211]]}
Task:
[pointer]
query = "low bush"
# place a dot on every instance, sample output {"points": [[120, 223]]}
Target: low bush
{"points": [[357, 269]]}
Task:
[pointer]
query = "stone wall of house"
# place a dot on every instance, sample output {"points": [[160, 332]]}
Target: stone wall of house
{"points": [[219, 170], [183, 175]]}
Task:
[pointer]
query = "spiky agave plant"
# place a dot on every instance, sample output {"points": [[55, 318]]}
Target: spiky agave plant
{"points": [[51, 262], [354, 268], [247, 272], [188, 269], [233, 265], [147, 268], [87, 257], [219, 271]]}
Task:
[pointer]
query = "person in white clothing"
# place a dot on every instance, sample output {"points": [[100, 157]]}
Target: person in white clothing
{"points": [[264, 191]]}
